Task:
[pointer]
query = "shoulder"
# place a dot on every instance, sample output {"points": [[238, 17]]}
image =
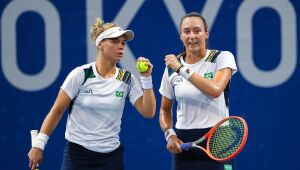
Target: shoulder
{"points": [[82, 73], [86, 70], [87, 65], [124, 75], [82, 68], [217, 55], [212, 55], [227, 53]]}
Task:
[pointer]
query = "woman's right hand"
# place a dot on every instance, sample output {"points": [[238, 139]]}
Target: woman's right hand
{"points": [[173, 144], [35, 156], [172, 62], [150, 66]]}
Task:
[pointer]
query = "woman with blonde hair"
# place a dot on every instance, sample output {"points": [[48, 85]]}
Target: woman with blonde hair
{"points": [[95, 94]]}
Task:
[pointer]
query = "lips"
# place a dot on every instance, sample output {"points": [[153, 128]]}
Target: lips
{"points": [[192, 43], [120, 53]]}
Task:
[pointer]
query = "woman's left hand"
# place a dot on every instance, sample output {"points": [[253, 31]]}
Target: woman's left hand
{"points": [[150, 66]]}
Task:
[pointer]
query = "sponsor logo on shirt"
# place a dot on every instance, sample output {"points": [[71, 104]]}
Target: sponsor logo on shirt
{"points": [[209, 75], [179, 80], [187, 71], [88, 91], [119, 93]]}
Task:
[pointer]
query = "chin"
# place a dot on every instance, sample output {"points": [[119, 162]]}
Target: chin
{"points": [[193, 49], [118, 59]]}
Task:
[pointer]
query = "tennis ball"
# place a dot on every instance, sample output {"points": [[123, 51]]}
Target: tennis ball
{"points": [[141, 66]]}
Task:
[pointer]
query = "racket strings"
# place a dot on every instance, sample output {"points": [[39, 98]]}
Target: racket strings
{"points": [[227, 138]]}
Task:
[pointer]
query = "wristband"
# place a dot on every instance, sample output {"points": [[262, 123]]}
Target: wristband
{"points": [[185, 72], [168, 133], [40, 141], [33, 134], [146, 82]]}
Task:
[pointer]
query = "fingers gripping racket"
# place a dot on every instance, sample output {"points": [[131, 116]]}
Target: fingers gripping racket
{"points": [[224, 141]]}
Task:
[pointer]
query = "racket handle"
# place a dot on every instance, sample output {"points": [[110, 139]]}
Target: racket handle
{"points": [[186, 146]]}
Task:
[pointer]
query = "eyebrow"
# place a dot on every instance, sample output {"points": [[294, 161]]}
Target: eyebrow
{"points": [[192, 28], [117, 38]]}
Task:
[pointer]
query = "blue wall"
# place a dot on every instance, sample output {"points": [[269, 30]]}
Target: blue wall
{"points": [[42, 41]]}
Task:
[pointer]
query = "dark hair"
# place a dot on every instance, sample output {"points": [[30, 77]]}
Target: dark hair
{"points": [[193, 14]]}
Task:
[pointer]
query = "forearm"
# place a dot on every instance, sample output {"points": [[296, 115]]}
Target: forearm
{"points": [[206, 86], [48, 126], [165, 120], [166, 124], [61, 103], [149, 103], [212, 87], [50, 122]]}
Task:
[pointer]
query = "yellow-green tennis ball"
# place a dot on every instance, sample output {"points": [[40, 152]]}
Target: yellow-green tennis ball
{"points": [[141, 66]]}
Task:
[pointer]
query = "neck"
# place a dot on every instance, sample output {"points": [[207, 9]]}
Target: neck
{"points": [[192, 58], [105, 68]]}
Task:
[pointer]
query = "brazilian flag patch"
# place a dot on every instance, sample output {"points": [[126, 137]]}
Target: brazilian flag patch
{"points": [[209, 75], [227, 167], [119, 93]]}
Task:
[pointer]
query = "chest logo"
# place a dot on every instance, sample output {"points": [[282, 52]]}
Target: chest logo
{"points": [[179, 80], [209, 75], [88, 91], [119, 93]]}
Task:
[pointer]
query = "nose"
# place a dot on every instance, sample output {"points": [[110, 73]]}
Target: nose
{"points": [[192, 35], [121, 46]]}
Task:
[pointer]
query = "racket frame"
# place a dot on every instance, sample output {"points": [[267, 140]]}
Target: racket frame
{"points": [[210, 133]]}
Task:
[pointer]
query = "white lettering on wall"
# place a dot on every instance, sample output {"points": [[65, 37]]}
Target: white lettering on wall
{"points": [[9, 49], [288, 61]]}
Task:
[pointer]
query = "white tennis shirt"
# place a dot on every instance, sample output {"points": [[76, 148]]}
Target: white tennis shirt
{"points": [[97, 106], [196, 110]]}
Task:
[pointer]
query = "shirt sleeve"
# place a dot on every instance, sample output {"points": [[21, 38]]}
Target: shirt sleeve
{"points": [[226, 60], [135, 90], [166, 89], [73, 82]]}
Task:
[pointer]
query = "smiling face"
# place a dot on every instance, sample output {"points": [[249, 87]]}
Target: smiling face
{"points": [[193, 34], [113, 48]]}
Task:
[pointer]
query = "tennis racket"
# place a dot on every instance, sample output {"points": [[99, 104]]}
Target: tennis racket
{"points": [[33, 134], [224, 141]]}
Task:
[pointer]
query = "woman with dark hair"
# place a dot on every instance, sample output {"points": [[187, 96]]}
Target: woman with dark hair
{"points": [[198, 80]]}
